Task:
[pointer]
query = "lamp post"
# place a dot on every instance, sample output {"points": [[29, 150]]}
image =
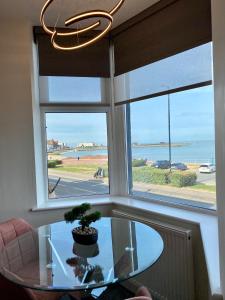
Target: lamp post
{"points": [[168, 104], [169, 122]]}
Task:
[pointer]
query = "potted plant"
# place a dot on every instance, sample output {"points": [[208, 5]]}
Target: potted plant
{"points": [[83, 234]]}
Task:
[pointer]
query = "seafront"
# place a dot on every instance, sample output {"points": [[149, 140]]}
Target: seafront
{"points": [[188, 152], [77, 178], [73, 181]]}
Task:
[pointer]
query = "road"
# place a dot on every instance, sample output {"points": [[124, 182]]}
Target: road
{"points": [[68, 187], [206, 178], [78, 187]]}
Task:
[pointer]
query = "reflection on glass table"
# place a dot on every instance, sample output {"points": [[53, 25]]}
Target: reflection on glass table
{"points": [[49, 259]]}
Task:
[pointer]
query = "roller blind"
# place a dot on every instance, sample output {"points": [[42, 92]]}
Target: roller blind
{"points": [[163, 30], [186, 70], [92, 61]]}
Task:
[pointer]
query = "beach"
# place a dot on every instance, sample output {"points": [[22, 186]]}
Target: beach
{"points": [[196, 152]]}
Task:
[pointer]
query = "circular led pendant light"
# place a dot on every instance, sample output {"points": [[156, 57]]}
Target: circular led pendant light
{"points": [[75, 32]]}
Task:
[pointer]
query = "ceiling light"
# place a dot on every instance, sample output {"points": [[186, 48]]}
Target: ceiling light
{"points": [[75, 32]]}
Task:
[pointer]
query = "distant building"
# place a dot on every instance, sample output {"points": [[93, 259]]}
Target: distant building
{"points": [[54, 145], [84, 145]]}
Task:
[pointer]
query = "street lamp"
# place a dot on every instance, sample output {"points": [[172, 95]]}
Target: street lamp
{"points": [[169, 123], [168, 104]]}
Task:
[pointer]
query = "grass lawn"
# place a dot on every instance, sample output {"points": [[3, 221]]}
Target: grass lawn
{"points": [[85, 169]]}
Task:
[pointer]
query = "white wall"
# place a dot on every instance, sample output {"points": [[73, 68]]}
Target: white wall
{"points": [[17, 180]]}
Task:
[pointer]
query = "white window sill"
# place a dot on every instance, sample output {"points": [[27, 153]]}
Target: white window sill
{"points": [[207, 221], [70, 202]]}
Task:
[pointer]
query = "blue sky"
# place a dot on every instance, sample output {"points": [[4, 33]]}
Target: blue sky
{"points": [[192, 117], [192, 111], [74, 128]]}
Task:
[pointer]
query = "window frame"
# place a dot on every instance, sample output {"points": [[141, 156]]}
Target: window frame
{"points": [[74, 108], [162, 199]]}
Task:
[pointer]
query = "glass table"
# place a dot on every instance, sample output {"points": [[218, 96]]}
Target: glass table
{"points": [[47, 258]]}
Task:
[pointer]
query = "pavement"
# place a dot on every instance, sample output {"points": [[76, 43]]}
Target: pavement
{"points": [[189, 193]]}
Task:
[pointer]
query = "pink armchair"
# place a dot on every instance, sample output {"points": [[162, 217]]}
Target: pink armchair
{"points": [[9, 231]]}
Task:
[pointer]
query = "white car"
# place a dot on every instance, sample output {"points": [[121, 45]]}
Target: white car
{"points": [[207, 168]]}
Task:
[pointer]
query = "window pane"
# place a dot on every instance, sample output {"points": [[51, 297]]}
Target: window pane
{"points": [[149, 127], [190, 178], [192, 122], [166, 74], [77, 154], [70, 89]]}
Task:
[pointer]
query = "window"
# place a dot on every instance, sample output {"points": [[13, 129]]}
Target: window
{"points": [[76, 137], [170, 121], [77, 154], [172, 137]]}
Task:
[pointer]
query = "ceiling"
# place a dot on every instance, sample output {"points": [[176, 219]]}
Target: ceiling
{"points": [[30, 9]]}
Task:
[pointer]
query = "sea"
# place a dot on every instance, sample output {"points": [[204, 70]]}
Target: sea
{"points": [[188, 152]]}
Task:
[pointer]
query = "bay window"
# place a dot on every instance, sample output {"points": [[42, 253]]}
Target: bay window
{"points": [[170, 128]]}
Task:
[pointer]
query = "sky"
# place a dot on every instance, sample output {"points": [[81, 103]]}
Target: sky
{"points": [[75, 128], [191, 111], [191, 117]]}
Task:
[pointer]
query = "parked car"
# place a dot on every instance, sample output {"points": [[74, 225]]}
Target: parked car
{"points": [[161, 164], [178, 166], [207, 168]]}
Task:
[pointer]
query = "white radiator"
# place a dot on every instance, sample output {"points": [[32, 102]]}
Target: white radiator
{"points": [[172, 277]]}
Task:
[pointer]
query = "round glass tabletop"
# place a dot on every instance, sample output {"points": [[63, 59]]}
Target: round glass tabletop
{"points": [[48, 258]]}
